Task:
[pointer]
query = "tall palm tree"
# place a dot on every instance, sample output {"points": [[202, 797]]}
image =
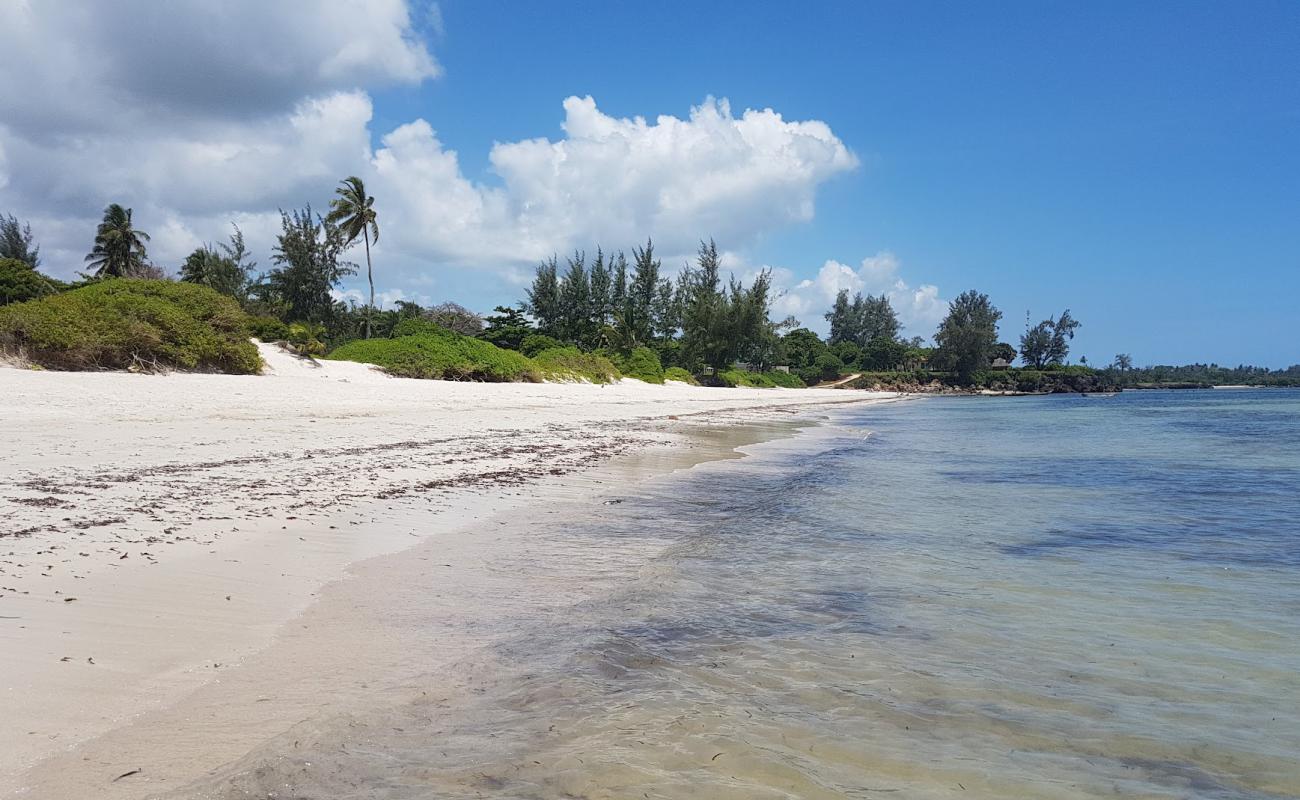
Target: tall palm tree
{"points": [[119, 246], [354, 212]]}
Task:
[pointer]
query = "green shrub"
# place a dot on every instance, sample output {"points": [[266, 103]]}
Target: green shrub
{"points": [[439, 354], [828, 366], [571, 364], [20, 283], [268, 328], [642, 364], [417, 326], [785, 380], [759, 380], [679, 374], [305, 338], [131, 323], [535, 343]]}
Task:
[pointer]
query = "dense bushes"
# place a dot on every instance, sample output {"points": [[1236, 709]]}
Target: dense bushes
{"points": [[427, 351], [1030, 381], [1052, 380], [642, 364], [571, 364], [759, 380], [20, 283], [268, 328], [680, 375], [897, 381], [128, 323], [536, 342], [436, 353]]}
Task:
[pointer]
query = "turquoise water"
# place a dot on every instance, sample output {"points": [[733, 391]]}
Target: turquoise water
{"points": [[1056, 597]]}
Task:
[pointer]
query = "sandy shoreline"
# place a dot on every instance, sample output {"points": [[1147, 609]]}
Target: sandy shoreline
{"points": [[193, 516]]}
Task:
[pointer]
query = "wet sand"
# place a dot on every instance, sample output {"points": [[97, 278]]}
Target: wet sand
{"points": [[190, 565]]}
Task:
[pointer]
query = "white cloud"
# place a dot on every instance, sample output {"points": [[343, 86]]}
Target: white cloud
{"points": [[611, 180], [920, 308], [197, 113], [118, 65]]}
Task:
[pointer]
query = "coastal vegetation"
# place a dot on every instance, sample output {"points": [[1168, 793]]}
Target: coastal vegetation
{"points": [[353, 211], [584, 319], [19, 282], [1198, 376], [131, 324], [431, 352]]}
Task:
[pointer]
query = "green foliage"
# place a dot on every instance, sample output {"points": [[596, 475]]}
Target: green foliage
{"points": [[19, 282], [894, 380], [507, 328], [353, 211], [119, 250], [577, 322], [827, 367], [601, 306], [1194, 375], [16, 242], [226, 270], [785, 380], [721, 325], [571, 364], [967, 336], [268, 328], [801, 348], [847, 352], [137, 324], [537, 342], [1047, 343], [544, 298], [384, 322], [862, 319], [438, 354], [642, 364], [305, 338], [642, 294], [882, 354], [417, 326], [680, 375], [1060, 379], [308, 265], [759, 380]]}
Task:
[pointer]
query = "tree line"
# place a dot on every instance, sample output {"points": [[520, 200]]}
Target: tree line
{"points": [[695, 319], [308, 264]]}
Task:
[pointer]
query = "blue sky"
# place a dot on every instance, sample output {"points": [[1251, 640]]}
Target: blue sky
{"points": [[1136, 162]]}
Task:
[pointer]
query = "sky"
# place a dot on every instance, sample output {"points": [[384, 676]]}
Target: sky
{"points": [[1136, 163]]}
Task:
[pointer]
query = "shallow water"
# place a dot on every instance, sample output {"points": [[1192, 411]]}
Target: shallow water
{"points": [[1051, 597]]}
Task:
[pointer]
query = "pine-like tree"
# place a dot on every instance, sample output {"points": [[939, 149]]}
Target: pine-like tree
{"points": [[544, 297], [967, 336]]}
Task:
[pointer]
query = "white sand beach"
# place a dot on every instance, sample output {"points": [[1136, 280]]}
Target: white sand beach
{"points": [[164, 535]]}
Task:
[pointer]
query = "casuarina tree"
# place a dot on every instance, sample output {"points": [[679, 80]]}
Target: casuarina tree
{"points": [[967, 336]]}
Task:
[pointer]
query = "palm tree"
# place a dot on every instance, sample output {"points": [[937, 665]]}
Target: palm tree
{"points": [[354, 212], [119, 246]]}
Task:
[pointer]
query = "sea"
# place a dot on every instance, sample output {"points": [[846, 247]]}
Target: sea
{"points": [[948, 597]]}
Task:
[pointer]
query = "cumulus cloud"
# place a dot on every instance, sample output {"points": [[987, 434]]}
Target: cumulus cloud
{"points": [[103, 66], [198, 113], [919, 307], [612, 180]]}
